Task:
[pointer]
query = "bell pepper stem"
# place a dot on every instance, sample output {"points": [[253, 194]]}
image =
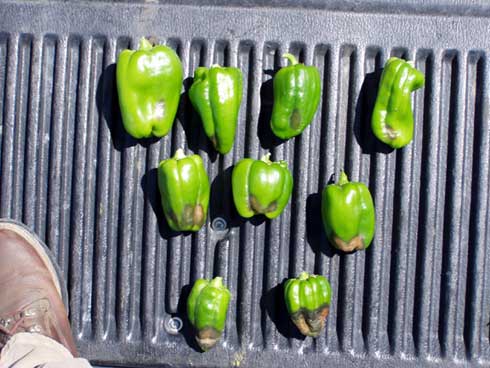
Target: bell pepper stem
{"points": [[215, 66], [145, 44], [303, 276], [266, 158], [217, 282], [343, 178], [179, 154], [292, 59]]}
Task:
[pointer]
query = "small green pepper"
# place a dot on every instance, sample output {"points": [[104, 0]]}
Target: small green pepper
{"points": [[149, 82], [348, 214], [206, 309], [392, 120], [261, 187], [184, 188], [216, 94], [308, 302], [296, 97]]}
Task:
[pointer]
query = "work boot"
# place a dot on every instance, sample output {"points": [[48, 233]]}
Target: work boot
{"points": [[31, 293]]}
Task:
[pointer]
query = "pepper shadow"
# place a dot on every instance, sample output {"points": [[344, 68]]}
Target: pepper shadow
{"points": [[222, 204], [272, 302], [107, 102], [315, 232], [190, 120], [187, 330], [258, 220], [364, 111], [149, 184], [267, 138]]}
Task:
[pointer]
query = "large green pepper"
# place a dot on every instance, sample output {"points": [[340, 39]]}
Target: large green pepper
{"points": [[206, 309], [149, 82], [348, 214], [184, 188], [308, 302], [261, 187], [216, 94], [392, 120], [296, 97]]}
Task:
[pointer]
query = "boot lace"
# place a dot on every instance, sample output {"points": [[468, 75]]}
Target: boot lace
{"points": [[29, 319]]}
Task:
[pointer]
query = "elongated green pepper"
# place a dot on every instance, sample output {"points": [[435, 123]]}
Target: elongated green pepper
{"points": [[207, 307], [261, 187], [392, 120], [348, 214], [308, 302], [216, 94], [297, 90], [184, 188], [149, 82]]}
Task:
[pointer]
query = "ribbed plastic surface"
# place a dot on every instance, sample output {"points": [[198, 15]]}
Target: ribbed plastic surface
{"points": [[418, 296]]}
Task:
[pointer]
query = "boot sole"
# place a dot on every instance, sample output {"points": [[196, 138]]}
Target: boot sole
{"points": [[42, 250]]}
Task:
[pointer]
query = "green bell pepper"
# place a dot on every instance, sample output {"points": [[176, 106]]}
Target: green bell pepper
{"points": [[206, 309], [348, 214], [392, 119], [261, 187], [297, 90], [149, 82], [308, 302], [216, 94], [184, 188]]}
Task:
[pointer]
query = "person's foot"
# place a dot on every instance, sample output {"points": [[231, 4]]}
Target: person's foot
{"points": [[30, 289]]}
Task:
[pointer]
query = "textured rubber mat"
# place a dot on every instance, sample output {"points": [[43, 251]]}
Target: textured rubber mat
{"points": [[419, 296]]}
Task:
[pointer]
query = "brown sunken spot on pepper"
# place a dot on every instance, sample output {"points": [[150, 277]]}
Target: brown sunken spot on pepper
{"points": [[295, 119], [207, 337], [356, 243], [258, 208], [193, 215], [390, 132], [198, 216], [214, 141], [173, 217], [311, 323], [188, 215]]}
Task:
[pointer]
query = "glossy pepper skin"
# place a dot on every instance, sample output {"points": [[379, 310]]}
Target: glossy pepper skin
{"points": [[216, 94], [348, 214], [184, 188], [149, 81], [392, 120], [297, 90], [308, 302], [207, 307], [261, 187]]}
